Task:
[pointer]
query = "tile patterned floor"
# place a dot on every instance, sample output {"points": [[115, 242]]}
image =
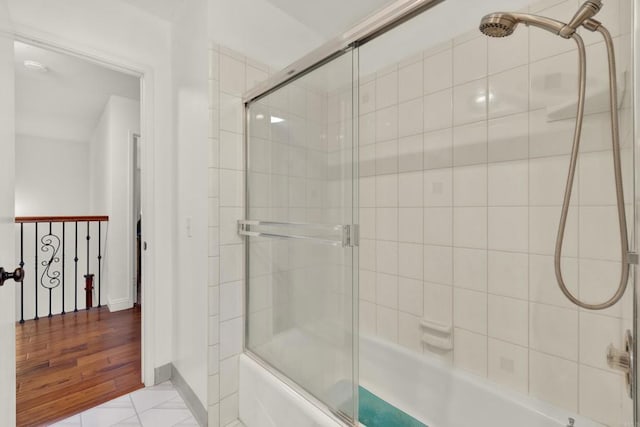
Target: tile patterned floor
{"points": [[158, 406]]}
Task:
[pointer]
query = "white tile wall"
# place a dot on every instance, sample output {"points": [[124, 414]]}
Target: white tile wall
{"points": [[462, 179], [230, 75]]}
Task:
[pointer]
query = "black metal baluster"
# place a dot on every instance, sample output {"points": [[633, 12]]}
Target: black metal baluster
{"points": [[35, 276], [22, 266], [64, 267], [99, 259], [75, 277], [50, 261], [88, 253]]}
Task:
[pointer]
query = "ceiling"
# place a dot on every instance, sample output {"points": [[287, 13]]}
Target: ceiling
{"points": [[67, 101], [278, 32]]}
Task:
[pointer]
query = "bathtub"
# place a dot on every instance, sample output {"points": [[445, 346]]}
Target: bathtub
{"points": [[426, 388]]}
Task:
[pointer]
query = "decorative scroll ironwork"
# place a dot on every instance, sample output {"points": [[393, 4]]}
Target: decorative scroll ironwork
{"points": [[50, 278]]}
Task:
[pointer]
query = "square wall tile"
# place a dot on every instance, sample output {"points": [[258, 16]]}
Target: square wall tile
{"points": [[410, 296], [231, 337], [554, 380], [232, 75], [508, 183], [469, 102], [387, 323], [543, 286], [470, 60], [410, 117], [410, 225], [387, 90], [470, 352], [387, 224], [438, 149], [409, 332], [410, 81], [470, 269], [470, 227], [508, 92], [387, 257], [470, 310], [231, 263], [410, 257], [410, 189], [470, 185], [231, 298], [438, 71], [438, 264], [387, 123], [508, 274], [438, 187], [509, 320], [410, 153], [509, 52], [470, 144], [508, 365], [437, 109], [438, 226], [438, 303], [387, 290], [553, 330], [601, 396], [508, 138], [509, 229]]}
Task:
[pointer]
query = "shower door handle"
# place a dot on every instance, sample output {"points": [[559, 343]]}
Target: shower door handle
{"points": [[344, 235]]}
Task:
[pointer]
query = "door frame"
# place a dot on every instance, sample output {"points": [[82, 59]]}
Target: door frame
{"points": [[146, 75]]}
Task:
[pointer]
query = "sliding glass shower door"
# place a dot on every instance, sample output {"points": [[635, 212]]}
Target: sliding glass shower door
{"points": [[300, 215]]}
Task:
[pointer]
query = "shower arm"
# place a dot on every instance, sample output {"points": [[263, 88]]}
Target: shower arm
{"points": [[594, 25]]}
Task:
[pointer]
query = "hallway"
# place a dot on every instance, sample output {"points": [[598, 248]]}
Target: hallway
{"points": [[67, 364]]}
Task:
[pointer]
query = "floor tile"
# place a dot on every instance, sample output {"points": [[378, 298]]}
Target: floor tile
{"points": [[164, 417], [105, 417], [150, 398], [157, 406]]}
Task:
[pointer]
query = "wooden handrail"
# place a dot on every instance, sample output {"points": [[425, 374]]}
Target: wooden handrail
{"points": [[30, 219]]}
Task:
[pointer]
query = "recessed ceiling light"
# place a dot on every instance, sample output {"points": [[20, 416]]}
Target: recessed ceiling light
{"points": [[275, 119], [35, 66]]}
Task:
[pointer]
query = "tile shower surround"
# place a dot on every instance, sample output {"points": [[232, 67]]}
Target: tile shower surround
{"points": [[230, 74], [459, 203], [463, 162]]}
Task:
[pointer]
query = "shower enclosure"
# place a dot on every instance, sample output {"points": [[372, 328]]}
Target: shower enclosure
{"points": [[404, 189]]}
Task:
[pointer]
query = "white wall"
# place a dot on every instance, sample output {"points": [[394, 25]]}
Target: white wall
{"points": [[128, 36], [191, 120], [51, 176], [111, 154]]}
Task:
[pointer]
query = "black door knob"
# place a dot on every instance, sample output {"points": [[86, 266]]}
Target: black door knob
{"points": [[17, 275]]}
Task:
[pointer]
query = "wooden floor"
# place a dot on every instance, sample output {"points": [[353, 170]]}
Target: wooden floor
{"points": [[67, 364]]}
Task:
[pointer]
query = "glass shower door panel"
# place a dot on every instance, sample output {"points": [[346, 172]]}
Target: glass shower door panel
{"points": [[301, 254]]}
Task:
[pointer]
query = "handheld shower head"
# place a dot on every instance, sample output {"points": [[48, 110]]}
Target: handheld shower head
{"points": [[503, 24], [498, 25]]}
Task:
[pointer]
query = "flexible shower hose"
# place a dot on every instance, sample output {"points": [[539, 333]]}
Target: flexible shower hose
{"points": [[615, 140]]}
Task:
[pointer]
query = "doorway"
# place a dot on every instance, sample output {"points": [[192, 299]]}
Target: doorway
{"points": [[77, 187]]}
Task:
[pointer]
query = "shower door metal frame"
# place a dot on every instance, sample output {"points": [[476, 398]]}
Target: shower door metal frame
{"points": [[375, 25], [634, 243]]}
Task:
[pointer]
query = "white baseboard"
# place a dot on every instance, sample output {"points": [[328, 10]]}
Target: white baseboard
{"points": [[120, 304]]}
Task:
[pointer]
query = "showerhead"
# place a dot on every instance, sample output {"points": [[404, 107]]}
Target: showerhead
{"points": [[498, 25], [503, 24]]}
